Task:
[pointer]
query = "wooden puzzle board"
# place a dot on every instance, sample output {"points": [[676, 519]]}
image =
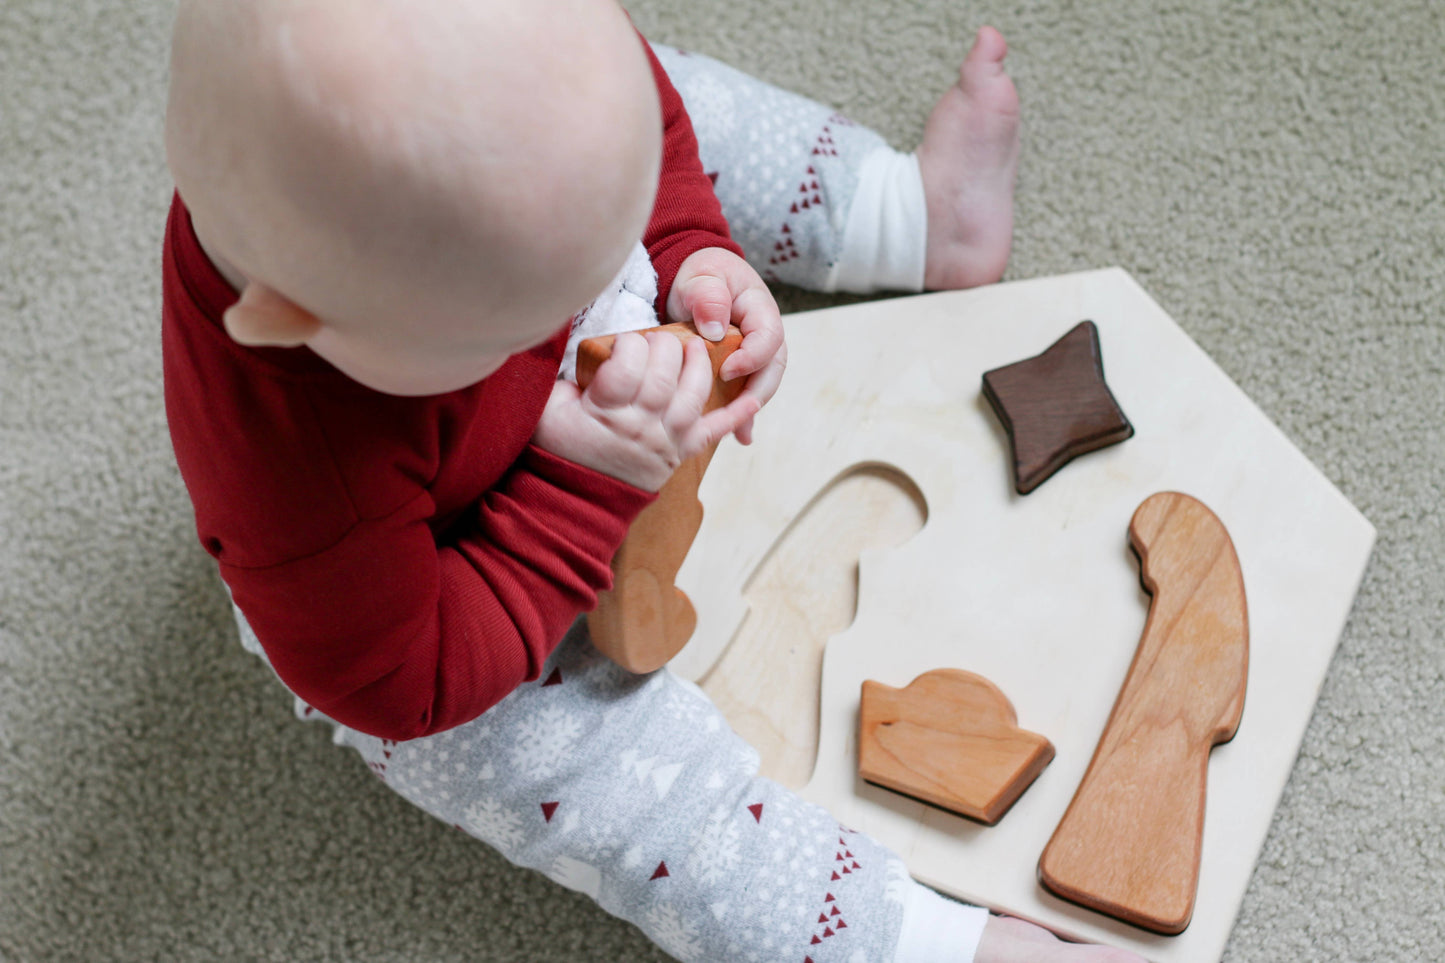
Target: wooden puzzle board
{"points": [[1039, 593]]}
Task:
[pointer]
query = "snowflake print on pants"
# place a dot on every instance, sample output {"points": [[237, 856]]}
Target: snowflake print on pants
{"points": [[488, 819]]}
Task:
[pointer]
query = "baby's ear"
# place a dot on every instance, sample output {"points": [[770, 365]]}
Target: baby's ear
{"points": [[264, 317]]}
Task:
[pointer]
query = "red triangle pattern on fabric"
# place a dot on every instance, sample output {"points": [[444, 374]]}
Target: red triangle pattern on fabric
{"points": [[757, 810], [548, 808], [659, 872], [832, 921], [845, 857], [554, 679], [826, 146], [811, 191]]}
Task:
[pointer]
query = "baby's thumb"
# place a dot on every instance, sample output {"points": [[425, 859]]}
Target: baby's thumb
{"points": [[708, 303]]}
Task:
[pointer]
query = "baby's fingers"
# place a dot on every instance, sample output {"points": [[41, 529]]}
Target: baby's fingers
{"points": [[619, 378], [695, 380], [707, 302], [744, 431], [761, 387], [762, 326], [563, 393], [659, 378], [716, 425], [694, 385]]}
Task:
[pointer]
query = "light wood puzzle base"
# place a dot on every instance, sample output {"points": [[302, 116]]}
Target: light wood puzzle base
{"points": [[1038, 594]]}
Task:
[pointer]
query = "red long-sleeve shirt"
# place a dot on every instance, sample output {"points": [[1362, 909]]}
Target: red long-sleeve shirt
{"points": [[405, 562]]}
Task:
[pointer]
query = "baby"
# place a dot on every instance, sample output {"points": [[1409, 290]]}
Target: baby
{"points": [[390, 221]]}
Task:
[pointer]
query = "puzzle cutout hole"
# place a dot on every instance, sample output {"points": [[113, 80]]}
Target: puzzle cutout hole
{"points": [[805, 591]]}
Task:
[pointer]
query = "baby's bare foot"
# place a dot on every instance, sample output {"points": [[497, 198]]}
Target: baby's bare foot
{"points": [[1009, 940], [968, 159]]}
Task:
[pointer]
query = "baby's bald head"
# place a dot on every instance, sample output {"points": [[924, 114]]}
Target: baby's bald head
{"points": [[431, 182]]}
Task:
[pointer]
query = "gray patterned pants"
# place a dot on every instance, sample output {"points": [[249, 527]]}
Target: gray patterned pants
{"points": [[634, 790]]}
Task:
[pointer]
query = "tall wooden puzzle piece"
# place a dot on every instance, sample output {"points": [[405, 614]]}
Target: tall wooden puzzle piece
{"points": [[1056, 406], [1129, 843], [645, 619], [949, 738]]}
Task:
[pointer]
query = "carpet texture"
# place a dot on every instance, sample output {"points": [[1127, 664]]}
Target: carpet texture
{"points": [[1271, 171]]}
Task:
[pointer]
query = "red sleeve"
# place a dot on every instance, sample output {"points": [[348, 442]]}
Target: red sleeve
{"points": [[687, 216], [393, 636], [322, 502]]}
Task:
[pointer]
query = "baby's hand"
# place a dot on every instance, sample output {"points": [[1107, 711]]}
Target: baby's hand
{"points": [[715, 287], [641, 416]]}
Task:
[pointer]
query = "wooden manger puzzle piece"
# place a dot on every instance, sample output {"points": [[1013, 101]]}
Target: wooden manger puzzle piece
{"points": [[949, 738], [1129, 843], [1056, 406], [645, 619]]}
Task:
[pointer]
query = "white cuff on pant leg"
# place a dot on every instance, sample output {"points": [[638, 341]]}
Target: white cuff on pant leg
{"points": [[937, 929], [886, 238]]}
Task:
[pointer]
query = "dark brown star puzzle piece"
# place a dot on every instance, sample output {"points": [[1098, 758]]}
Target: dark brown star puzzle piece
{"points": [[1056, 406]]}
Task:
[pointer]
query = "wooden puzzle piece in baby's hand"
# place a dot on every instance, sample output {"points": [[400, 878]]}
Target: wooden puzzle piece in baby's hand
{"points": [[645, 619], [949, 738], [1129, 844]]}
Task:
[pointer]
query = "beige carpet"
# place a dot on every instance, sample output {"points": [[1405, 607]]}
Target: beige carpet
{"points": [[1271, 171]]}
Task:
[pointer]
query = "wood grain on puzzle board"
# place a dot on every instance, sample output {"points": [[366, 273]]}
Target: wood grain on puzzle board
{"points": [[1039, 594]]}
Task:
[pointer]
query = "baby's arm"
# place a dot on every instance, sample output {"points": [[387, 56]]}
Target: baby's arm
{"points": [[686, 217], [701, 274], [311, 494]]}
